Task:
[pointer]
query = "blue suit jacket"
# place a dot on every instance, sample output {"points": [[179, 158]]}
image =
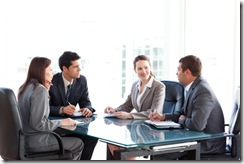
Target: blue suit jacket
{"points": [[203, 113], [79, 94]]}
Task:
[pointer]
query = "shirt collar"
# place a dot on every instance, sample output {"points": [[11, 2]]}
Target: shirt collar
{"points": [[66, 82], [188, 86], [149, 83]]}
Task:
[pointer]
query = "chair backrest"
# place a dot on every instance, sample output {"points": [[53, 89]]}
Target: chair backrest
{"points": [[10, 125], [234, 126], [174, 98]]}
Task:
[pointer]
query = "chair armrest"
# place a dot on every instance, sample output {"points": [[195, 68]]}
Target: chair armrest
{"points": [[61, 150]]}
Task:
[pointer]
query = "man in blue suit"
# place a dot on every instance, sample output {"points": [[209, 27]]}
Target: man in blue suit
{"points": [[68, 89], [201, 110]]}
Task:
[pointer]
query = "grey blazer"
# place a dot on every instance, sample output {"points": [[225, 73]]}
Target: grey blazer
{"points": [[203, 113], [34, 111], [153, 98]]}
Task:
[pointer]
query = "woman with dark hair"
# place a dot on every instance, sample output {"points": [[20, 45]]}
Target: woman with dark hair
{"points": [[33, 101], [147, 95]]}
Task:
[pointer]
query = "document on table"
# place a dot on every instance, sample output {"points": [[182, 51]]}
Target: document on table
{"points": [[76, 114], [80, 122], [108, 115], [163, 124]]}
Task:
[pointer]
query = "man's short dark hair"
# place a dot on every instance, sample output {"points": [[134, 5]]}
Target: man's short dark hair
{"points": [[66, 58]]}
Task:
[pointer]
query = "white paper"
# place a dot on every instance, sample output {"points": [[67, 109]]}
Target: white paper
{"points": [[163, 124]]}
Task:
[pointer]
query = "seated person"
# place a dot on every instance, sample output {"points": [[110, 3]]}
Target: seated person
{"points": [[146, 95], [201, 110], [63, 100], [34, 109]]}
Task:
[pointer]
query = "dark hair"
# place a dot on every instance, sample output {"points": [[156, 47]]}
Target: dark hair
{"points": [[192, 63], [36, 71], [142, 57], [66, 58]]}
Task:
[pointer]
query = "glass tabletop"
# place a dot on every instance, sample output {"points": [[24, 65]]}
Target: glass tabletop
{"points": [[133, 133]]}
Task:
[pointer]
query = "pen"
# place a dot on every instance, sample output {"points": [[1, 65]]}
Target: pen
{"points": [[153, 110]]}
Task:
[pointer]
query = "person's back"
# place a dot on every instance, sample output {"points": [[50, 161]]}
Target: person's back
{"points": [[202, 101], [33, 102], [201, 110], [31, 118]]}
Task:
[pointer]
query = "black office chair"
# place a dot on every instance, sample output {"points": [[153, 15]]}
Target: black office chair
{"points": [[12, 137], [233, 141], [174, 97]]}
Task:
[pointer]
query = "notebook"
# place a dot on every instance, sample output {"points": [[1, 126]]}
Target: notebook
{"points": [[76, 114], [163, 124]]}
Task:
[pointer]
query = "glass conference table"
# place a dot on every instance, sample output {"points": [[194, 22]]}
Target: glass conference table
{"points": [[139, 138]]}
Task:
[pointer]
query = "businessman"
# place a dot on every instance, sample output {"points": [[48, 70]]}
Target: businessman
{"points": [[68, 89], [201, 110]]}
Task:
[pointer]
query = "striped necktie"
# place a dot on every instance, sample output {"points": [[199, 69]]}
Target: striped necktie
{"points": [[68, 94]]}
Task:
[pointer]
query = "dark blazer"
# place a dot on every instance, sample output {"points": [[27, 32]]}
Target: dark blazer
{"points": [[79, 94], [203, 113]]}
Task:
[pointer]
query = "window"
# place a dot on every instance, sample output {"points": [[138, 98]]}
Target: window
{"points": [[108, 34]]}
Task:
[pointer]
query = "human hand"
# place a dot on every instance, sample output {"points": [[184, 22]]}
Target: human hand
{"points": [[85, 112], [70, 127], [122, 115], [69, 109], [68, 122], [154, 116], [182, 117], [109, 110]]}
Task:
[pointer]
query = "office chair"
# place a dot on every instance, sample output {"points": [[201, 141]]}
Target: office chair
{"points": [[12, 137], [233, 136], [174, 96]]}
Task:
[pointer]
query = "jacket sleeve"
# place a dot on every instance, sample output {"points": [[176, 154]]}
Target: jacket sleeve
{"points": [[39, 112]]}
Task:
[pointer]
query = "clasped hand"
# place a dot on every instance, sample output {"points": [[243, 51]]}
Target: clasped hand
{"points": [[70, 110], [120, 114], [154, 116]]}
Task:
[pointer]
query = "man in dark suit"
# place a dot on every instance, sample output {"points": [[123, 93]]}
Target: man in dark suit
{"points": [[201, 110], [68, 89]]}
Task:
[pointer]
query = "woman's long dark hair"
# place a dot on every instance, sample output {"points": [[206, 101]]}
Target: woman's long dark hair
{"points": [[36, 72]]}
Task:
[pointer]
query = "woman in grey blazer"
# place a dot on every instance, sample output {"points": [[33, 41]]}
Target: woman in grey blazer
{"points": [[33, 101], [147, 94]]}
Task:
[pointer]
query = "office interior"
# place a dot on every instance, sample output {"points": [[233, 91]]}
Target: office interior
{"points": [[108, 34]]}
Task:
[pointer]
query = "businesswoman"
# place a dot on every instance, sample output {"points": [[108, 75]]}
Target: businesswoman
{"points": [[147, 94], [33, 101]]}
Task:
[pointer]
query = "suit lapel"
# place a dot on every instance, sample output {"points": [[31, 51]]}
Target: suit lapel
{"points": [[194, 84], [136, 92], [61, 87]]}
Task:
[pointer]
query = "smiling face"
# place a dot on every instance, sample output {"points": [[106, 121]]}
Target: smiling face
{"points": [[143, 69]]}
